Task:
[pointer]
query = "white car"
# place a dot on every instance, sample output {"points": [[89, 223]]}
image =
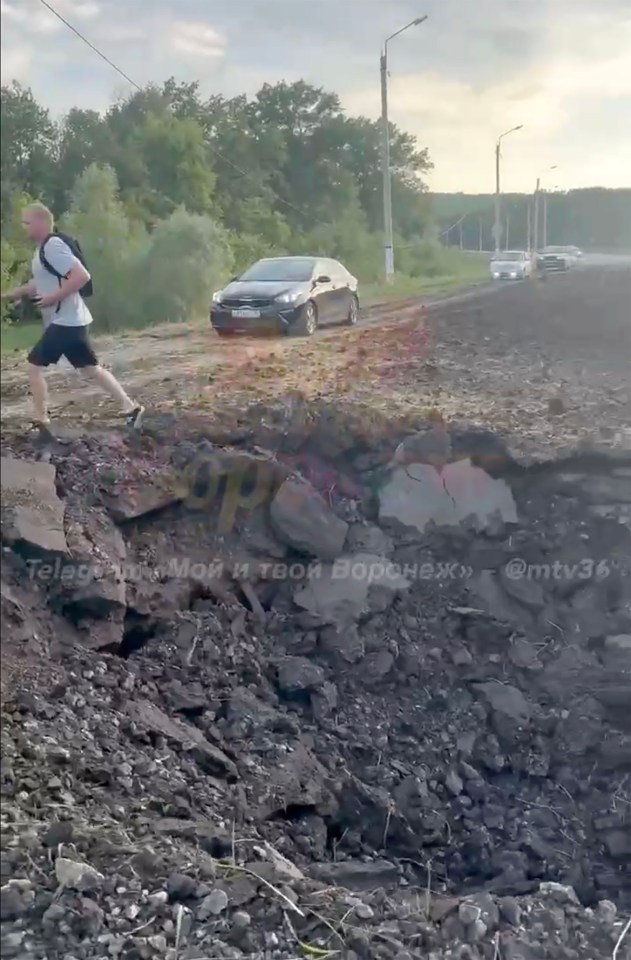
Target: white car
{"points": [[511, 265]]}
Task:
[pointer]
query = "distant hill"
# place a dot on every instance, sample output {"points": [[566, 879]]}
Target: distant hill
{"points": [[594, 218]]}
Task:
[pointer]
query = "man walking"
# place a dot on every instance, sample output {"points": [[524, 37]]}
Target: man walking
{"points": [[66, 318]]}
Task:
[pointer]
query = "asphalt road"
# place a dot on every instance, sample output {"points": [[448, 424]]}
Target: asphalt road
{"points": [[510, 355], [579, 319], [544, 361]]}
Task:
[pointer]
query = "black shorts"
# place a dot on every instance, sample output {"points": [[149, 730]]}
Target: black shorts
{"points": [[60, 341]]}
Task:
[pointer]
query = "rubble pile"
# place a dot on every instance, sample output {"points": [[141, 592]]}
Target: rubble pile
{"points": [[269, 694]]}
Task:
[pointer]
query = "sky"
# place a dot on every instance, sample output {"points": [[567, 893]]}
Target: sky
{"points": [[475, 68]]}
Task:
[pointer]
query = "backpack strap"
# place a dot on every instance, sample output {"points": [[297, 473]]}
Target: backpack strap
{"points": [[48, 266]]}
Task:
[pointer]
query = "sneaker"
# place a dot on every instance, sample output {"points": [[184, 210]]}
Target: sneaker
{"points": [[41, 430], [134, 418]]}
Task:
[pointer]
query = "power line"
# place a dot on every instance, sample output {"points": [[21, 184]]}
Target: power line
{"points": [[216, 153], [445, 232], [85, 40]]}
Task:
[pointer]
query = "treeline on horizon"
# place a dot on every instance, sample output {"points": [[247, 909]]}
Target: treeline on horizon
{"points": [[593, 218]]}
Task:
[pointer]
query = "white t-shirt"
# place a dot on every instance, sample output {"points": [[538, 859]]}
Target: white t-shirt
{"points": [[73, 311]]}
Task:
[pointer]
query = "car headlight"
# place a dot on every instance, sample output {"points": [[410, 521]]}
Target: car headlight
{"points": [[496, 276], [217, 296], [290, 297], [513, 274]]}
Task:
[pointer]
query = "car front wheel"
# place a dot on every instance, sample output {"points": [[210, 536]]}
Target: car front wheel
{"points": [[353, 312], [307, 322]]}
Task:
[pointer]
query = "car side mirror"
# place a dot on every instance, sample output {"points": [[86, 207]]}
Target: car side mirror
{"points": [[323, 279]]}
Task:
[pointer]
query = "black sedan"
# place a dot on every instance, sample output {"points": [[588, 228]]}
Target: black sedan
{"points": [[556, 259], [292, 295]]}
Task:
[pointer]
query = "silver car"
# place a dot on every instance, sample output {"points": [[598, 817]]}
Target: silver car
{"points": [[511, 265]]}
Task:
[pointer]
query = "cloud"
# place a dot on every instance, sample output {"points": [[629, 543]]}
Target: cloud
{"points": [[16, 63], [471, 71], [559, 93], [26, 16], [78, 9], [11, 13], [34, 17], [198, 39]]}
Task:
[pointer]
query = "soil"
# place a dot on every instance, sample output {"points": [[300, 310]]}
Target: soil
{"points": [[222, 738]]}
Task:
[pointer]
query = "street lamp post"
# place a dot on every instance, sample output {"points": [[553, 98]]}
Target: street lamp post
{"points": [[545, 215], [536, 205], [536, 227], [497, 228], [529, 226], [385, 153]]}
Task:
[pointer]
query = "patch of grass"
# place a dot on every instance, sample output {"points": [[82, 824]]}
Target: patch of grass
{"points": [[459, 270], [18, 337]]}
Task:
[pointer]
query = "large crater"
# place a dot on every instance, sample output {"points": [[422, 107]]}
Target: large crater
{"points": [[365, 638]]}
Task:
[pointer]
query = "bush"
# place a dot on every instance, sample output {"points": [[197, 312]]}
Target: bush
{"points": [[347, 240], [7, 265], [142, 279], [16, 254], [187, 259], [423, 258], [112, 244], [262, 233]]}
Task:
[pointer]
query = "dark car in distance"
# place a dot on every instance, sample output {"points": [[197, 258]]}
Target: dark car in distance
{"points": [[557, 259], [286, 295]]}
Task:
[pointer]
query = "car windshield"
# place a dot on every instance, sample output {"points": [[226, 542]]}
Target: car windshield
{"points": [[509, 255], [279, 270]]}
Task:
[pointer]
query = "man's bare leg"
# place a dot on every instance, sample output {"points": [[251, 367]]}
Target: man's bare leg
{"points": [[110, 384], [39, 392]]}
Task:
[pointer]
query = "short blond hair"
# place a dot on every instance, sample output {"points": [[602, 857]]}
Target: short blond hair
{"points": [[41, 211]]}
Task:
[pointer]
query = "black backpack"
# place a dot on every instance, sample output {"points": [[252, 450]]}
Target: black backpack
{"points": [[87, 289]]}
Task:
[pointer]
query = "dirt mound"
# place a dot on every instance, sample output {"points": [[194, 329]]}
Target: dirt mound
{"points": [[284, 698]]}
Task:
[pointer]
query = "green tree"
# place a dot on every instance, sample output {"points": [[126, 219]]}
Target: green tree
{"points": [[310, 184], [161, 159], [354, 144], [262, 233], [245, 155], [7, 268], [17, 255], [13, 232], [27, 145], [176, 163], [594, 218], [83, 139], [188, 258], [346, 238], [113, 246]]}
